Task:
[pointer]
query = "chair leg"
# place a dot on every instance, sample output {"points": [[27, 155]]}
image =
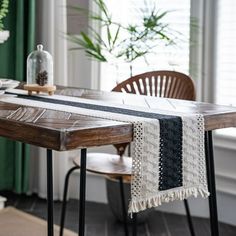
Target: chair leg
{"points": [[122, 194], [134, 224], [63, 211], [189, 218]]}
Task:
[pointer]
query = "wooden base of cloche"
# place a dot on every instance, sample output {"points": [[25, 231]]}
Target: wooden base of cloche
{"points": [[37, 88]]}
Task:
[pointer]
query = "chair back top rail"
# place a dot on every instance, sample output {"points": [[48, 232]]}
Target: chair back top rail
{"points": [[167, 84]]}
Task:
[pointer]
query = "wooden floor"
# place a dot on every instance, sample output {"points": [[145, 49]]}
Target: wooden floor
{"points": [[100, 221]]}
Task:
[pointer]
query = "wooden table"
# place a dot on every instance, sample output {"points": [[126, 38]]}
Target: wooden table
{"points": [[63, 131]]}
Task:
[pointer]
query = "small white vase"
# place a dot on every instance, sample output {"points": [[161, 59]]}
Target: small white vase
{"points": [[4, 35]]}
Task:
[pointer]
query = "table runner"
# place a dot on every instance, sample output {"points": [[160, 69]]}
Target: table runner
{"points": [[168, 159]]}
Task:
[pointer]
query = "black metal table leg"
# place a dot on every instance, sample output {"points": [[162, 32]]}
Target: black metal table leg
{"points": [[124, 212], [134, 224], [211, 183], [82, 191], [50, 192], [189, 218]]}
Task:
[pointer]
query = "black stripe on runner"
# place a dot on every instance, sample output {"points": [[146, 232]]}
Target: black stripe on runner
{"points": [[170, 165]]}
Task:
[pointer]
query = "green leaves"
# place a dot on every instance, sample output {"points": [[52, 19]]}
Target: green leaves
{"points": [[122, 42], [92, 50], [3, 12]]}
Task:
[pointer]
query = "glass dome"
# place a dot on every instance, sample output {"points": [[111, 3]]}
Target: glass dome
{"points": [[40, 68]]}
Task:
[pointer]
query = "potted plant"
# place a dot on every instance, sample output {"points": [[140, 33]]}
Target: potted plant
{"points": [[123, 43], [4, 34]]}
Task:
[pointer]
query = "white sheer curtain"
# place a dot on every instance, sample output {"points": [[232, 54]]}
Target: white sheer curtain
{"points": [[51, 27]]}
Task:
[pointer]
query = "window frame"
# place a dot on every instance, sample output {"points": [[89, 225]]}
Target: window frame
{"points": [[222, 140]]}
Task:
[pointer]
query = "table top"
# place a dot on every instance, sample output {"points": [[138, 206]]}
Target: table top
{"points": [[65, 131]]}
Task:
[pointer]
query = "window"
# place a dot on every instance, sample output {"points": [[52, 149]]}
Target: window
{"points": [[225, 60], [226, 53], [163, 58]]}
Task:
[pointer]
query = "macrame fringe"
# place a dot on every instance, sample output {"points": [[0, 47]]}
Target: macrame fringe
{"points": [[167, 196]]}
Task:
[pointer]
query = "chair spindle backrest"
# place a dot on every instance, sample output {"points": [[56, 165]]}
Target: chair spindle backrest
{"points": [[167, 84]]}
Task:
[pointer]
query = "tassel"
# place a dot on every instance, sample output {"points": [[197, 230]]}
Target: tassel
{"points": [[137, 205]]}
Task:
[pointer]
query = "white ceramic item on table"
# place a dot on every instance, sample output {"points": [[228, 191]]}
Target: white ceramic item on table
{"points": [[8, 83]]}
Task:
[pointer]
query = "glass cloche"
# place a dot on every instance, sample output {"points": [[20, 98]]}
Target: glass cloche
{"points": [[40, 67], [40, 72]]}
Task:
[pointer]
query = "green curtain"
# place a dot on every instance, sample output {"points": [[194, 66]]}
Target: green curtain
{"points": [[14, 156]]}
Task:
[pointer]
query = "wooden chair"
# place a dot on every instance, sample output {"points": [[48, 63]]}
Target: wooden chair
{"points": [[168, 84]]}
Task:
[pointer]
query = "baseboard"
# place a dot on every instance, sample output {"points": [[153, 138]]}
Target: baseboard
{"points": [[226, 183], [199, 207]]}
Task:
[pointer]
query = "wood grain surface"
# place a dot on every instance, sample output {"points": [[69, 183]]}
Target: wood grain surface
{"points": [[66, 131], [59, 130]]}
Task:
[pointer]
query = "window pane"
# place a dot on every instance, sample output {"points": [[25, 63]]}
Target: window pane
{"points": [[174, 57], [226, 53], [225, 67]]}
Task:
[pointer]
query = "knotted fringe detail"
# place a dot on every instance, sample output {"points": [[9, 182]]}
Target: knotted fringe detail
{"points": [[166, 196]]}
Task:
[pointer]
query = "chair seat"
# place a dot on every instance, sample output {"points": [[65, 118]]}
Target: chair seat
{"points": [[107, 164]]}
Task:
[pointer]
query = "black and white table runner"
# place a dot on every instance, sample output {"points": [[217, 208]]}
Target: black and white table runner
{"points": [[168, 159]]}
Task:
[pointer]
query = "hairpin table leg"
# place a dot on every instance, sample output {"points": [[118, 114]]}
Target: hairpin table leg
{"points": [[50, 192], [211, 183], [134, 224], [82, 191], [124, 211], [189, 218]]}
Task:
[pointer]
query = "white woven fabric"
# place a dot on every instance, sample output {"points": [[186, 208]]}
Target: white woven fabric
{"points": [[145, 191]]}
